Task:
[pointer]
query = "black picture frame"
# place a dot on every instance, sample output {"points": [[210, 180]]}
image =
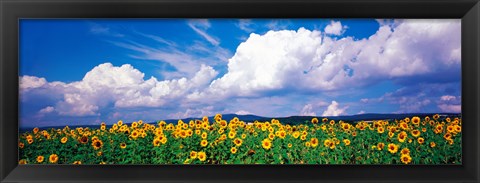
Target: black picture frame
{"points": [[12, 10]]}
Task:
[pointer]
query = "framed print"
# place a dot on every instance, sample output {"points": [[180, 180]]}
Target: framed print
{"points": [[157, 90]]}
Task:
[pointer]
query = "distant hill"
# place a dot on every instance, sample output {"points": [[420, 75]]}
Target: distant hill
{"points": [[287, 120], [302, 119]]}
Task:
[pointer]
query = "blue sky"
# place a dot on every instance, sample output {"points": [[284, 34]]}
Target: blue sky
{"points": [[87, 71]]}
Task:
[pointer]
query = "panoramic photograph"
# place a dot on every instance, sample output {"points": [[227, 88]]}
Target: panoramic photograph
{"points": [[240, 91]]}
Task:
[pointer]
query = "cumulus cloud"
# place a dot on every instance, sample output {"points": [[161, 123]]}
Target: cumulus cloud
{"points": [[123, 86], [450, 104], [46, 110], [307, 61], [307, 110], [31, 82], [206, 111], [334, 109], [335, 28]]}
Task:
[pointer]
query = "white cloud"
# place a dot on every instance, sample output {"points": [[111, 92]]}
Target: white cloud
{"points": [[47, 109], [31, 82], [185, 61], [242, 112], [103, 30], [245, 25], [200, 26], [450, 103], [335, 28], [450, 108], [123, 86], [447, 97], [206, 111], [307, 110], [334, 109], [278, 24], [305, 60], [361, 112]]}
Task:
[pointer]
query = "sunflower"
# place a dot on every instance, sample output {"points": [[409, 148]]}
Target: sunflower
{"points": [[450, 129], [427, 118], [266, 144], [83, 139], [403, 125], [332, 122], [421, 140], [406, 158], [202, 156], [64, 140], [244, 136], [424, 129], [237, 142], [314, 142], [402, 136], [303, 137], [415, 133], [447, 136], [103, 128], [314, 120], [326, 143], [380, 129], [289, 145], [346, 126], [29, 141], [233, 150], [232, 134], [432, 144], [35, 130], [296, 134], [346, 141], [40, 159], [189, 132], [183, 133], [416, 120], [156, 142], [380, 146], [324, 120], [282, 134], [77, 162], [163, 139], [135, 134], [22, 162], [458, 128], [332, 145], [436, 116], [204, 135], [354, 134], [21, 145], [53, 158], [204, 143], [450, 141], [405, 151], [392, 148], [123, 145], [448, 120], [223, 124], [308, 144], [97, 144], [193, 154], [271, 136]]}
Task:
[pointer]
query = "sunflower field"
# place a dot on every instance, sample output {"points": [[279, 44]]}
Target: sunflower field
{"points": [[415, 140]]}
